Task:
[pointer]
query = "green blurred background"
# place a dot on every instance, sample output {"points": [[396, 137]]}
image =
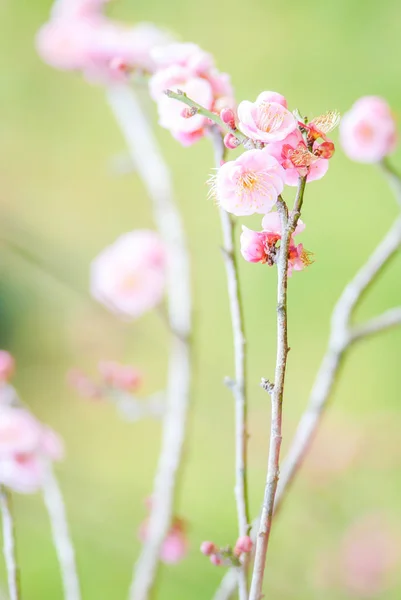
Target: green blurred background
{"points": [[61, 202]]}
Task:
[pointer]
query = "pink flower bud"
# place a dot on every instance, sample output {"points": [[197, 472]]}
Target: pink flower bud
{"points": [[7, 365], [208, 548], [216, 560], [244, 544], [228, 117], [230, 141], [188, 112]]}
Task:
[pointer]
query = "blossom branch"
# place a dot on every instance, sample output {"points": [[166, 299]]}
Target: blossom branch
{"points": [[9, 544], [61, 536], [200, 110], [341, 337], [153, 171], [238, 386], [288, 225]]}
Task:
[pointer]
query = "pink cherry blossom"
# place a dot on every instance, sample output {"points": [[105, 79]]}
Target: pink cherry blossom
{"points": [[265, 120], [282, 152], [256, 245], [250, 184], [368, 130], [187, 55], [271, 223], [129, 276], [26, 446], [7, 365]]}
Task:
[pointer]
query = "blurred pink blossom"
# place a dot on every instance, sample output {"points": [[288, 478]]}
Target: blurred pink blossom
{"points": [[175, 546], [7, 366], [188, 68], [129, 276], [368, 130], [250, 184], [124, 377], [266, 119], [26, 446], [243, 545]]}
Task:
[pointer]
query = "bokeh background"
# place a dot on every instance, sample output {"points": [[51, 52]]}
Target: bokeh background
{"points": [[61, 204]]}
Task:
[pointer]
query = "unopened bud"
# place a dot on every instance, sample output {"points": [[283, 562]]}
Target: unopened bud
{"points": [[189, 112], [230, 141], [243, 545], [208, 548], [216, 560], [228, 117]]}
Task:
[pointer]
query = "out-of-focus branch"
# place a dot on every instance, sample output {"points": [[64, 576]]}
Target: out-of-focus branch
{"points": [[54, 502], [156, 178], [9, 544], [238, 386]]}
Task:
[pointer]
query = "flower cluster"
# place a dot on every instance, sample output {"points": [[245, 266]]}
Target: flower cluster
{"points": [[368, 130], [26, 446], [227, 555], [129, 276], [78, 37], [187, 68]]}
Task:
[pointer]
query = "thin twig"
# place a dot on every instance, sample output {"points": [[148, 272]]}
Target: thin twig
{"points": [[54, 502], [342, 335], [239, 385], [262, 541], [9, 551], [154, 173]]}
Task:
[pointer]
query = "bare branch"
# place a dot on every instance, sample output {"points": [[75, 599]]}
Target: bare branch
{"points": [[154, 173], [61, 536], [390, 318], [9, 544], [262, 540]]}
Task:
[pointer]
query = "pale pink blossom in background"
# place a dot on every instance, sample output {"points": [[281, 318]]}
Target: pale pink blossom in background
{"points": [[250, 184], [368, 130], [120, 376], [370, 553], [79, 37], [282, 152], [129, 276], [171, 111], [175, 546], [7, 366], [265, 120], [26, 447], [188, 68]]}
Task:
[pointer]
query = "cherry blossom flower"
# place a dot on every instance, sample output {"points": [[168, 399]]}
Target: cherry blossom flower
{"points": [[294, 156], [187, 68], [261, 246], [129, 276], [368, 130], [267, 119], [250, 184], [26, 447]]}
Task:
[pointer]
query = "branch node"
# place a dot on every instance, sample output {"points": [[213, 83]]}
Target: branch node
{"points": [[267, 385], [230, 383]]}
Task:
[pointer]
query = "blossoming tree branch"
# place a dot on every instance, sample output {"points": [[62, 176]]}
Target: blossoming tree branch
{"points": [[277, 150]]}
